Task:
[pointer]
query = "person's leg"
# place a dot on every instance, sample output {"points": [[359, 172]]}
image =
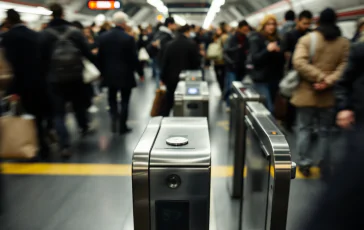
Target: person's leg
{"points": [[230, 77], [306, 122], [157, 73], [125, 95], [112, 99], [326, 124], [263, 89], [220, 77], [168, 101], [41, 134], [153, 65]]}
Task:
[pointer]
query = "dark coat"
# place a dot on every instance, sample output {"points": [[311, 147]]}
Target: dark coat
{"points": [[180, 54], [117, 58], [235, 53], [268, 66], [22, 50], [349, 89], [48, 40]]}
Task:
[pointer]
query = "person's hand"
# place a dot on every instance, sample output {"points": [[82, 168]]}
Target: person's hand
{"points": [[272, 46], [141, 79], [202, 53], [161, 83], [156, 43], [345, 119], [320, 86]]}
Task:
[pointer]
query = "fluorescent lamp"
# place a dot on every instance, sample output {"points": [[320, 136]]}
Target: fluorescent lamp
{"points": [[159, 5], [25, 9], [214, 9], [179, 20]]}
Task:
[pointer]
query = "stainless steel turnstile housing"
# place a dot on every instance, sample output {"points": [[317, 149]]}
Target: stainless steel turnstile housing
{"points": [[191, 99], [191, 75], [171, 175], [269, 172], [241, 94]]}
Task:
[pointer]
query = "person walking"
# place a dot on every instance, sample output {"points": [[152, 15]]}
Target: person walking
{"points": [[118, 60]]}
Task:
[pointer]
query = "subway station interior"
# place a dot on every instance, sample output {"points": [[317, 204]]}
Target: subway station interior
{"points": [[205, 167]]}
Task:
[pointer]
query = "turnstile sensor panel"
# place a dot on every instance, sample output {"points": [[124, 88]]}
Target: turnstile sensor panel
{"points": [[172, 215]]}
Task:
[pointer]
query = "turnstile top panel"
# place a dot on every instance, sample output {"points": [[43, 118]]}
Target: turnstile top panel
{"points": [[182, 141], [191, 73], [245, 91], [192, 89]]}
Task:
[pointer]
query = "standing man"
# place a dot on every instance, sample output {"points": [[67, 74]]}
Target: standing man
{"points": [[288, 46], [118, 61], [236, 50], [156, 48], [180, 54], [289, 23], [63, 48]]}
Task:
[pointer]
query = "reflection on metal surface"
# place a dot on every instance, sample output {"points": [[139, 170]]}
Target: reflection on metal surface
{"points": [[241, 94], [172, 175], [269, 172]]}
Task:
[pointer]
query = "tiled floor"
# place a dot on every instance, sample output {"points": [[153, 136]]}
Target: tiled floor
{"points": [[43, 202]]}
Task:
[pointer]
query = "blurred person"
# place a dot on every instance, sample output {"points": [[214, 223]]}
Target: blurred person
{"points": [[267, 58], [21, 46], [180, 54], [63, 48], [143, 40], [106, 26], [314, 97], [289, 43], [359, 30], [339, 207], [219, 65], [156, 47], [117, 58], [235, 55], [289, 22]]}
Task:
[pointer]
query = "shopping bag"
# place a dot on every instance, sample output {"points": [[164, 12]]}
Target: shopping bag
{"points": [[18, 137], [90, 72], [143, 55], [6, 72], [214, 51], [157, 103]]}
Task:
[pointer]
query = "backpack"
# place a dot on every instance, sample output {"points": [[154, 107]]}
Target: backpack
{"points": [[66, 60]]}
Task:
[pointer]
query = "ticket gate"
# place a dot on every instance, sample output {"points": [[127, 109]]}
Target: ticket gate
{"points": [[269, 170], [241, 94], [191, 75], [191, 99], [171, 175]]}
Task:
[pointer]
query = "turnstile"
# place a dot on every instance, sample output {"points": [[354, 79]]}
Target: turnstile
{"points": [[171, 175], [269, 170], [191, 99], [241, 94], [191, 75]]}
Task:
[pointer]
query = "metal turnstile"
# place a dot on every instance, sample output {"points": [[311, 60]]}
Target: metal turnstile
{"points": [[269, 170], [191, 99], [171, 175], [241, 94], [191, 75]]}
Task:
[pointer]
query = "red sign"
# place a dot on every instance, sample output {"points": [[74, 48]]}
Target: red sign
{"points": [[104, 5]]}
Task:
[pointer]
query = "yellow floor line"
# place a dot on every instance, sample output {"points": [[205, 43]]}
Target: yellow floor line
{"points": [[104, 170]]}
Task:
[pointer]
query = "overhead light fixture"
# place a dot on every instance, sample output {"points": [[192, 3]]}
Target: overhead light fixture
{"points": [[179, 20], [214, 9], [159, 5], [25, 9]]}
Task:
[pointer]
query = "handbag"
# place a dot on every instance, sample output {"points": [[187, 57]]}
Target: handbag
{"points": [[143, 55], [214, 52], [158, 101], [90, 72], [292, 79]]}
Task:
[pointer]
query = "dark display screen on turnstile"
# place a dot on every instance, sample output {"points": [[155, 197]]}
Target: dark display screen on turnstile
{"points": [[256, 185], [172, 215]]}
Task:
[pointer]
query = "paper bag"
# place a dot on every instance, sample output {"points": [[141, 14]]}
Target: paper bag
{"points": [[157, 103]]}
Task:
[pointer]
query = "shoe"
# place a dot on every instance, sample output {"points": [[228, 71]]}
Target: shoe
{"points": [[66, 153], [125, 130], [228, 109]]}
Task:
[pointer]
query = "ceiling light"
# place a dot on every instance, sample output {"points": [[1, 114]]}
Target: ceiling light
{"points": [[214, 9], [25, 9], [159, 5], [179, 20]]}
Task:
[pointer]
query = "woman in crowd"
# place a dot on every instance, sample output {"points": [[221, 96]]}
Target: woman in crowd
{"points": [[314, 97], [267, 58]]}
